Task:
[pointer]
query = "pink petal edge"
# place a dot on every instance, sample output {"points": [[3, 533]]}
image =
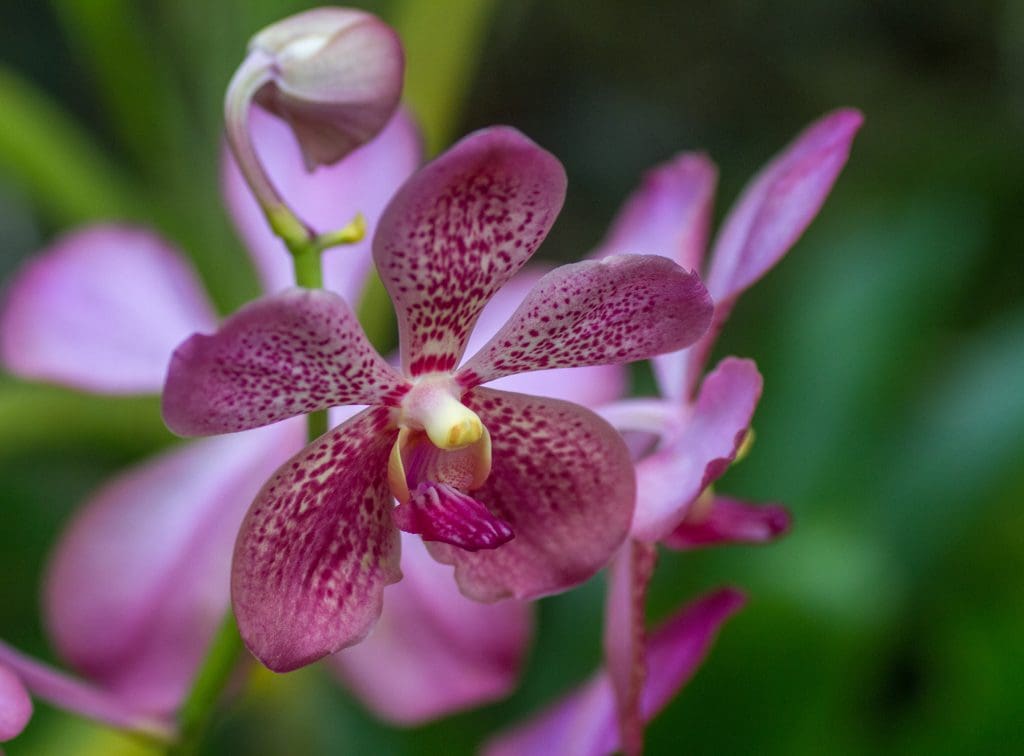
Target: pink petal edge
{"points": [[15, 704], [731, 521]]}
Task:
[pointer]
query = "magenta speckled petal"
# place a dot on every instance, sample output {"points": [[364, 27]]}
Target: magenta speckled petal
{"points": [[668, 215], [15, 705], [288, 354], [589, 386], [619, 309], [459, 229], [779, 203], [731, 521], [438, 512], [583, 723], [318, 547], [327, 198], [561, 477], [625, 636], [101, 310], [669, 480], [79, 697], [140, 579], [435, 652]]}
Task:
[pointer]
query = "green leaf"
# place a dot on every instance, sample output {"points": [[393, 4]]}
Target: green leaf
{"points": [[55, 161]]}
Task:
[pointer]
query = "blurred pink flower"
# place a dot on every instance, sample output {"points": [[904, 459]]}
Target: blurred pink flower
{"points": [[320, 542], [140, 578], [683, 442]]}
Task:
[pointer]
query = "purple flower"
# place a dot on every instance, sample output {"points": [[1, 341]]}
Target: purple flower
{"points": [[683, 442], [15, 705], [471, 467], [140, 578]]}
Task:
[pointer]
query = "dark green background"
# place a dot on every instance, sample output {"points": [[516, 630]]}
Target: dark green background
{"points": [[891, 339]]}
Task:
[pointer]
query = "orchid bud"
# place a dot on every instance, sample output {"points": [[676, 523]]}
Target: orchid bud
{"points": [[337, 77], [333, 74]]}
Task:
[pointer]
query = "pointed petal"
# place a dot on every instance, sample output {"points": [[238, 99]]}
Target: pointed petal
{"points": [[731, 521], [101, 310], [435, 652], [589, 386], [288, 354], [625, 637], [318, 547], [456, 232], [327, 198], [779, 203], [669, 480], [669, 214], [15, 705], [140, 579], [583, 723], [76, 696], [438, 512], [562, 479], [619, 309]]}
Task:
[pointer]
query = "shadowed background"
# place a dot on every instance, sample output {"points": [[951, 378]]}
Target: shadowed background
{"points": [[891, 338]]}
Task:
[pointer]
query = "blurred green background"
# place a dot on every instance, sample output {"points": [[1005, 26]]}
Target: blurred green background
{"points": [[891, 339]]}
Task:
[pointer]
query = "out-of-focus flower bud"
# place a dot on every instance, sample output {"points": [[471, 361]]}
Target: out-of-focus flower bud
{"points": [[336, 78], [334, 74]]}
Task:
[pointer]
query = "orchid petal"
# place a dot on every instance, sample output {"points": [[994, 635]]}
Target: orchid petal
{"points": [[619, 309], [779, 203], [327, 198], [15, 705], [76, 696], [731, 521], [287, 354], [439, 512], [625, 636], [669, 480], [669, 214], [562, 479], [318, 547], [435, 652], [101, 310], [140, 579], [583, 723], [456, 232], [590, 386]]}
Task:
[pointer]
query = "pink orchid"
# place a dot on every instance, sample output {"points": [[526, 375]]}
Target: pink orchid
{"points": [[140, 579], [697, 434], [471, 467], [15, 704]]}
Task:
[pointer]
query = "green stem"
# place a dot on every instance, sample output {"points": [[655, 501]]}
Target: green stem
{"points": [[197, 711]]}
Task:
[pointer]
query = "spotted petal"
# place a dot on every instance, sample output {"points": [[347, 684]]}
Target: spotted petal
{"points": [[140, 579], [584, 723], [562, 479], [731, 521], [15, 705], [590, 386], [620, 309], [327, 198], [102, 309], [291, 353], [318, 547], [79, 697], [434, 652], [669, 480], [459, 229]]}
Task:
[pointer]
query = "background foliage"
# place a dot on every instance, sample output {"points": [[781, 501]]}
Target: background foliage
{"points": [[891, 339]]}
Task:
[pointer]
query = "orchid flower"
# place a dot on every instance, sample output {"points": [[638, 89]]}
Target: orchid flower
{"points": [[525, 496], [140, 578], [698, 433]]}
